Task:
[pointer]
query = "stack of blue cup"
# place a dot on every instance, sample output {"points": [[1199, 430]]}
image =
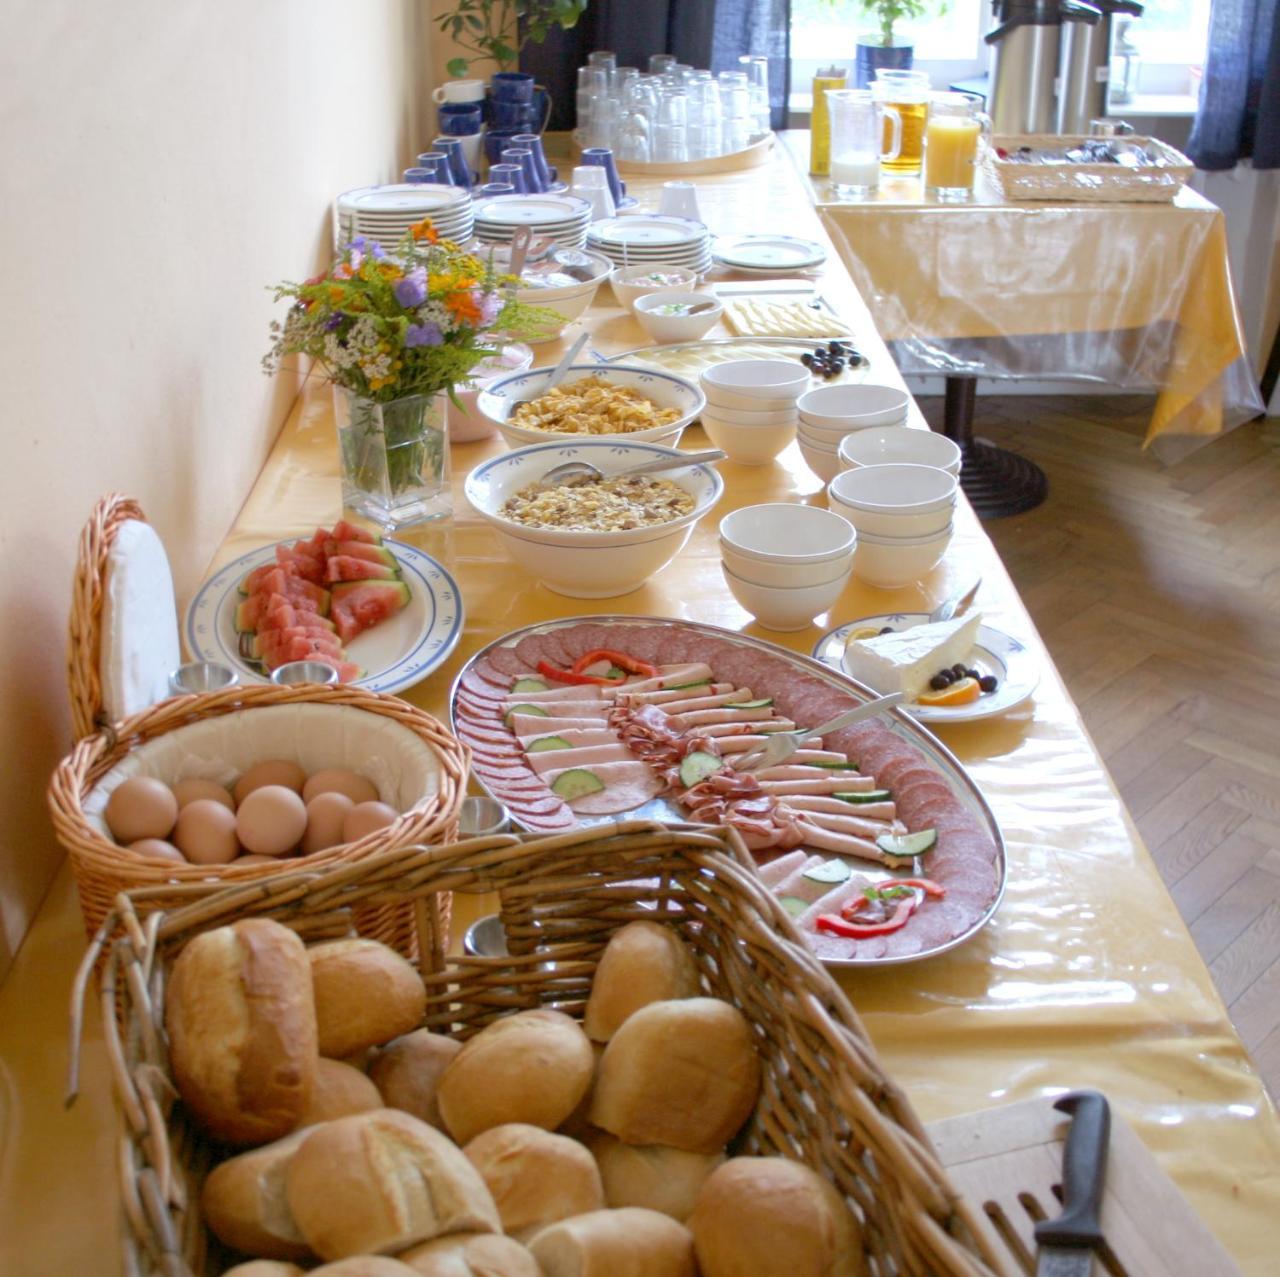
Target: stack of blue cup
{"points": [[602, 157], [451, 149]]}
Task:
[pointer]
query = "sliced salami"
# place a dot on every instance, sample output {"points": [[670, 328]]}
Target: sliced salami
{"points": [[578, 640], [505, 661]]}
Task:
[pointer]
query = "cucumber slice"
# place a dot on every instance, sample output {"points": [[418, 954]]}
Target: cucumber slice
{"points": [[915, 844], [544, 743], [529, 685], [698, 766], [794, 905], [524, 709], [680, 687], [576, 783], [846, 766], [833, 871], [762, 703], [870, 796]]}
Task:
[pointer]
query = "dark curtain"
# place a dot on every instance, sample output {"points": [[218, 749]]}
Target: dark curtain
{"points": [[1239, 115], [702, 33]]}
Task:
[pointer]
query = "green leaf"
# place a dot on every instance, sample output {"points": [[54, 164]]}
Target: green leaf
{"points": [[457, 67]]}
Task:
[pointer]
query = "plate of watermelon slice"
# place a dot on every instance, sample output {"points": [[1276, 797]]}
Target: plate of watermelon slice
{"points": [[382, 613]]}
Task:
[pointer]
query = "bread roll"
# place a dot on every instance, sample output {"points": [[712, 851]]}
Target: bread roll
{"points": [[754, 1210], [243, 1201], [264, 1268], [684, 1074], [365, 1266], [242, 1030], [534, 1067], [378, 1182], [366, 994], [616, 1243], [339, 1090], [471, 1255], [535, 1177], [407, 1072], [577, 1125], [650, 1175], [644, 962]]}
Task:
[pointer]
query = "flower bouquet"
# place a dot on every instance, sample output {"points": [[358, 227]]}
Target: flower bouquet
{"points": [[395, 332]]}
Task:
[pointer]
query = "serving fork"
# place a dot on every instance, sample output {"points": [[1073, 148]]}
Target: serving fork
{"points": [[781, 745]]}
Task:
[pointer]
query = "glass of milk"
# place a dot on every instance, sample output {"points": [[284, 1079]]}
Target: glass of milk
{"points": [[858, 140]]}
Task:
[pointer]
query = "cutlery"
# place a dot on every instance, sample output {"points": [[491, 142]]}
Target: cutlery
{"points": [[955, 604], [559, 371], [1065, 1246], [570, 472], [520, 241], [781, 745]]}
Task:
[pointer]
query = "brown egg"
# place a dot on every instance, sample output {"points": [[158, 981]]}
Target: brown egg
{"points": [[365, 818], [252, 859], [271, 821], [274, 771], [325, 814], [141, 807], [187, 791], [206, 833], [157, 849], [338, 780]]}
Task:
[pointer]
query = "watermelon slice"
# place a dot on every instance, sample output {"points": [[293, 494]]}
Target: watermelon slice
{"points": [[344, 531], [295, 589], [370, 553], [310, 567], [254, 611], [360, 605], [342, 567], [269, 643], [287, 617], [347, 670]]}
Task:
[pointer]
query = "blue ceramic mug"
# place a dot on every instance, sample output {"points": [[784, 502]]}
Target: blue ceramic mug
{"points": [[496, 141], [521, 116], [512, 86], [459, 119]]}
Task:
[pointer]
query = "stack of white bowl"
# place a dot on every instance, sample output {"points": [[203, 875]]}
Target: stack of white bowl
{"points": [[903, 514], [786, 564], [829, 413], [886, 445], [751, 406]]}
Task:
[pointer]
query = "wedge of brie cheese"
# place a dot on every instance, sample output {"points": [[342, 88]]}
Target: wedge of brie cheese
{"points": [[905, 661]]}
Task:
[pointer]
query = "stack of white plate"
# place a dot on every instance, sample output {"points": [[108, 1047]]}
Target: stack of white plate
{"points": [[564, 218], [768, 255], [652, 239], [385, 213]]}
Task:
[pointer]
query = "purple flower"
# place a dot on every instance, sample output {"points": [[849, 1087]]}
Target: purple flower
{"points": [[359, 242], [376, 251], [411, 291], [334, 321], [354, 258], [490, 305], [427, 334]]}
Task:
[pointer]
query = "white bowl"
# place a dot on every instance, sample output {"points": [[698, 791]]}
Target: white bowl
{"points": [[860, 402], [498, 400], [784, 416], [825, 463], [755, 384], [747, 445], [663, 327], [785, 609], [890, 445], [872, 539], [898, 488], [569, 301], [630, 283], [823, 431], [587, 565], [793, 575], [892, 566], [466, 424], [787, 533]]}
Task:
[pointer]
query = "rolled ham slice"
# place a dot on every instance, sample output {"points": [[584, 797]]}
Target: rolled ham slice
{"points": [[579, 708], [557, 760], [745, 743], [697, 704], [776, 870], [809, 756], [626, 785], [823, 785], [576, 692], [626, 696], [706, 717], [575, 736], [885, 811], [840, 844], [847, 823], [672, 676], [804, 771], [538, 725], [757, 728]]}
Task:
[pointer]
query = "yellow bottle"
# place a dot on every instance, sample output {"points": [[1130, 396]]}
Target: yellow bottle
{"points": [[820, 119]]}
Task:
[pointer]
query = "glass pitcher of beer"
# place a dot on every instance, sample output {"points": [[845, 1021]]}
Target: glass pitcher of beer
{"points": [[957, 137], [857, 147], [907, 92]]}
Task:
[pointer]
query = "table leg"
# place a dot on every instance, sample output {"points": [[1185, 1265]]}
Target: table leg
{"points": [[996, 481]]}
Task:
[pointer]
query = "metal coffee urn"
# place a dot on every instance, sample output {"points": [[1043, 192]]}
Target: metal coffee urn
{"points": [[1086, 66], [1025, 48]]}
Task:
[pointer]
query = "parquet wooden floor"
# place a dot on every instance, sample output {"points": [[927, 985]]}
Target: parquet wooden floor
{"points": [[1157, 590]]}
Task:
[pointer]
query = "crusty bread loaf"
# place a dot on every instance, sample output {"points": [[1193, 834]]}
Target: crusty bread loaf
{"points": [[684, 1074], [407, 1072], [366, 994], [534, 1067], [242, 1030], [650, 1175], [752, 1210], [616, 1243], [471, 1255], [643, 962], [378, 1182], [339, 1090], [365, 1266], [535, 1177], [264, 1268], [243, 1201]]}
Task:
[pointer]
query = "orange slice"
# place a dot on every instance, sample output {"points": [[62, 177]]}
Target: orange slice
{"points": [[862, 632], [963, 691]]}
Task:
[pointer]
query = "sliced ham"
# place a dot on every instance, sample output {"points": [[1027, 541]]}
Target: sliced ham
{"points": [[580, 708], [745, 743], [847, 823], [823, 785], [626, 786], [806, 889], [776, 870], [556, 760], [541, 725], [718, 714], [803, 771], [803, 755], [576, 692], [759, 727], [625, 696], [838, 807], [697, 704], [841, 844], [672, 676], [574, 736]]}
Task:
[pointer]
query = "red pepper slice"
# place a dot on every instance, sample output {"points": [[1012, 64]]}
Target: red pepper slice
{"points": [[547, 670], [837, 926], [624, 662], [927, 885]]}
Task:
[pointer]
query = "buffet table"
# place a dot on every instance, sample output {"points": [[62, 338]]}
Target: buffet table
{"points": [[1085, 977]]}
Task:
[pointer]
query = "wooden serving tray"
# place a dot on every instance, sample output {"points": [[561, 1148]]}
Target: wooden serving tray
{"points": [[1008, 1163], [749, 157]]}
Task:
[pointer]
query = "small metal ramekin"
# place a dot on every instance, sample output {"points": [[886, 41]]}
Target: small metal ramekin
{"points": [[201, 676], [304, 672]]}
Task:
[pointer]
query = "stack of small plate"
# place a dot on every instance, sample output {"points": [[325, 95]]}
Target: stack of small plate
{"points": [[385, 213], [651, 239], [563, 218], [768, 255]]}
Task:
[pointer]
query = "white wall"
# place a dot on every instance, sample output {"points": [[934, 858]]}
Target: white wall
{"points": [[162, 162]]}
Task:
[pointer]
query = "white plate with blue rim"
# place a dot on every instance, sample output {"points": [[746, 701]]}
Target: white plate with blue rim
{"points": [[401, 651], [1008, 660]]}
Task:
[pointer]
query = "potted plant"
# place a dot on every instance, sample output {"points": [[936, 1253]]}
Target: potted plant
{"points": [[496, 30], [884, 49]]}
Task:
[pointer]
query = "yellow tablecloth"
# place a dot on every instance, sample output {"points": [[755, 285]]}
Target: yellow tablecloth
{"points": [[1086, 977], [1142, 291]]}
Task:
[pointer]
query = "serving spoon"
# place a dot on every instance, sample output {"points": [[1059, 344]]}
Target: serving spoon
{"points": [[572, 472]]}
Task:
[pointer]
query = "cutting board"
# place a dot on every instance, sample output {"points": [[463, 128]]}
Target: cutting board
{"points": [[1008, 1163]]}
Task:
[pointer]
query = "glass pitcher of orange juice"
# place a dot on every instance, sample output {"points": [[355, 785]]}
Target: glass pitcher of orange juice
{"points": [[957, 137]]}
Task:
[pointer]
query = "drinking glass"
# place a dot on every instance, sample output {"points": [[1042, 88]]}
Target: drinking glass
{"points": [[757, 72], [661, 63], [908, 93], [857, 136], [957, 137]]}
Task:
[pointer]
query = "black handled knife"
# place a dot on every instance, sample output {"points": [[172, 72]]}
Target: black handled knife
{"points": [[1065, 1246]]}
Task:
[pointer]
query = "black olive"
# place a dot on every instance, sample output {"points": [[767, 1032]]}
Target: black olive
{"points": [[837, 365], [988, 683], [957, 671], [806, 359], [888, 629], [972, 673], [939, 681]]}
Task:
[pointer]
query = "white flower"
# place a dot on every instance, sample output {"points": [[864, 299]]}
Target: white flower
{"points": [[336, 354]]}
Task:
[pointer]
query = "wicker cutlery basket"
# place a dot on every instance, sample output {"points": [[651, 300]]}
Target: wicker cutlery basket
{"points": [[825, 1098], [1087, 183]]}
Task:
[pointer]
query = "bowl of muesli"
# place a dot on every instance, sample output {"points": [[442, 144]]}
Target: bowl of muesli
{"points": [[595, 538], [594, 401]]}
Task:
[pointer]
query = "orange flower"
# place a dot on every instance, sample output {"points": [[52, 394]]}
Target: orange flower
{"points": [[342, 271], [336, 294], [390, 271], [424, 230], [464, 307]]}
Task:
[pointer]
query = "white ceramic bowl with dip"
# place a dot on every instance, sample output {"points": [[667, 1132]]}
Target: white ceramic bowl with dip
{"points": [[550, 282], [664, 316], [630, 283]]}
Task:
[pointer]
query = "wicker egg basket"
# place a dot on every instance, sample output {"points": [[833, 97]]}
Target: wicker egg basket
{"points": [[825, 1097], [103, 870]]}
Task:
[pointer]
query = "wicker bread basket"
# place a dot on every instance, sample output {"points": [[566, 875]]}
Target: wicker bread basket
{"points": [[825, 1098]]}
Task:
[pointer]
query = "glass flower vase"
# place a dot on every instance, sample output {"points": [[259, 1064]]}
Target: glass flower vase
{"points": [[394, 457]]}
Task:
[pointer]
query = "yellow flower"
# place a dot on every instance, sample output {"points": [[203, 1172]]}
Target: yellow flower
{"points": [[424, 230], [390, 270]]}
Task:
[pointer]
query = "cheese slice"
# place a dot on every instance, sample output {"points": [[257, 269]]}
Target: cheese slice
{"points": [[751, 318], [906, 660]]}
